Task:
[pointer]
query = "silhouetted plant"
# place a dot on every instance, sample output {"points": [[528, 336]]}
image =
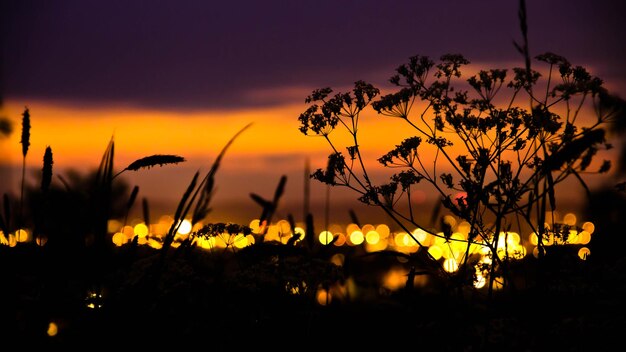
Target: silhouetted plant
{"points": [[25, 141], [493, 146]]}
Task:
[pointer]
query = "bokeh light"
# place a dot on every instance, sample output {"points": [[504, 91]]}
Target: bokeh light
{"points": [[22, 236], [119, 239], [479, 281], [53, 329], [41, 240], [357, 237], [323, 297], [372, 237], [584, 253], [383, 230], [325, 237], [435, 251], [185, 227], [589, 227], [450, 265], [141, 230], [341, 239], [569, 219]]}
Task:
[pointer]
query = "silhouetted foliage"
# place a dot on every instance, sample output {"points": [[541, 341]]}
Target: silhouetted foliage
{"points": [[500, 148]]}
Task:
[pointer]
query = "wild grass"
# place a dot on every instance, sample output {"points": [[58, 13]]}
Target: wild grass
{"points": [[283, 289]]}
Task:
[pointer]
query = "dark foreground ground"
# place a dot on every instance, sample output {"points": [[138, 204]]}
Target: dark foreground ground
{"points": [[196, 299]]}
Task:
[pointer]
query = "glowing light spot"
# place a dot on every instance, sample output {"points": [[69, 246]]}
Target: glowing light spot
{"points": [[420, 235], [458, 242], [383, 230], [569, 219], [501, 242], [548, 239], [296, 289], [584, 253], [589, 227], [498, 283], [352, 227], [398, 238], [450, 265], [372, 237], [440, 240], [283, 226], [141, 230], [485, 260], [53, 329], [403, 239], [357, 238], [220, 242], [533, 239], [475, 248], [22, 236], [94, 300], [379, 246], [572, 237], [484, 250], [367, 228], [207, 243], [480, 281], [341, 239], [299, 231], [119, 239], [185, 227], [159, 229], [584, 237], [325, 237], [3, 240], [12, 241], [128, 231], [517, 251], [113, 226], [513, 238], [41, 240], [395, 279], [435, 251], [158, 245], [255, 225], [240, 241], [323, 297]]}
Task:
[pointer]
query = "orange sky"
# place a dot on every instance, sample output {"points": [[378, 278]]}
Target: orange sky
{"points": [[271, 147]]}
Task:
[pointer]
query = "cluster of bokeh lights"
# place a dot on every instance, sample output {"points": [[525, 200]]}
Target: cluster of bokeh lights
{"points": [[450, 252]]}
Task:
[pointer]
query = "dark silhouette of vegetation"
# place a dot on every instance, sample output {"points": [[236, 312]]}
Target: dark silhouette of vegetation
{"points": [[499, 149], [494, 146]]}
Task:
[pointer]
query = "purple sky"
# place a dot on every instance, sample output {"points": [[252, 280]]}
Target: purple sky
{"points": [[210, 54]]}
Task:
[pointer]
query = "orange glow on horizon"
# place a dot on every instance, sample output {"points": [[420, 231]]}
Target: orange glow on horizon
{"points": [[79, 135]]}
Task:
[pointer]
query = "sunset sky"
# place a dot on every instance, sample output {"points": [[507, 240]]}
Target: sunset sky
{"points": [[182, 77]]}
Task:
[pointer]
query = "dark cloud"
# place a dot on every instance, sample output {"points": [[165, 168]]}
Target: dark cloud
{"points": [[210, 54]]}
